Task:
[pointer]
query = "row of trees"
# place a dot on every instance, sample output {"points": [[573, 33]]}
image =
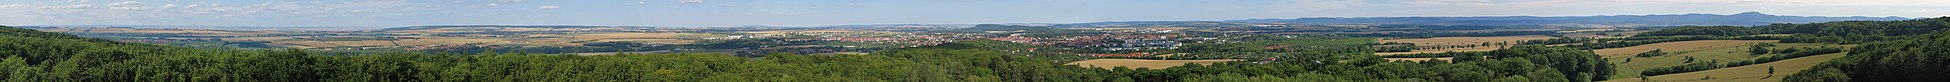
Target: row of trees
{"points": [[1704, 30], [1635, 41]]}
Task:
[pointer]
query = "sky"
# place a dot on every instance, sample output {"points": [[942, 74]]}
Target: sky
{"points": [[862, 12]]}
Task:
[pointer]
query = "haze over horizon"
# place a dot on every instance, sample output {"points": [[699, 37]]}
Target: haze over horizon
{"points": [[824, 12]]}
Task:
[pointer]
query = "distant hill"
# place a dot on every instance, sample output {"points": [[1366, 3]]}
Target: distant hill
{"points": [[1155, 24], [1741, 19]]}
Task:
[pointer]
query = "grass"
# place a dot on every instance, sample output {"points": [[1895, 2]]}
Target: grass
{"points": [[1749, 73], [1143, 63], [1458, 41], [1631, 70]]}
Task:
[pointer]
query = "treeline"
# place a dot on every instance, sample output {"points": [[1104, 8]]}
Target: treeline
{"points": [[1703, 66], [1394, 47], [1591, 43], [1858, 31], [1704, 30], [1917, 59], [1434, 55]]}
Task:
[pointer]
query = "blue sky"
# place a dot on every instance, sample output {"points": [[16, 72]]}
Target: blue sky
{"points": [[855, 12]]}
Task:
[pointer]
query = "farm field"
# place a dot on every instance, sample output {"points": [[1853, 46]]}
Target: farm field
{"points": [[1143, 63], [1458, 41], [1749, 73], [1630, 66], [1674, 46]]}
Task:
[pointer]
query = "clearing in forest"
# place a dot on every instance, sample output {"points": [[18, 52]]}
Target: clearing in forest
{"points": [[1143, 63]]}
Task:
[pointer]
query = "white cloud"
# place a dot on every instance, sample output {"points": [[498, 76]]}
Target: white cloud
{"points": [[549, 7], [690, 1], [125, 4], [14, 6], [75, 6]]}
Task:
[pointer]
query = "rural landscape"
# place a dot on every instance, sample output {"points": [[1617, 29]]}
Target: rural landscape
{"points": [[1744, 46]]}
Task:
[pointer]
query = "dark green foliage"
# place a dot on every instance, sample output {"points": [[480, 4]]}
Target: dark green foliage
{"points": [[1431, 55], [1400, 48], [1857, 31], [1689, 67], [1787, 55], [1918, 59], [1653, 53], [1760, 48], [1577, 65]]}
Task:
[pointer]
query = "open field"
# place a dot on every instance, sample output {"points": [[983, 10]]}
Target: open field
{"points": [[1466, 40], [1674, 46], [1458, 41], [1636, 65], [1143, 63], [1749, 73]]}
